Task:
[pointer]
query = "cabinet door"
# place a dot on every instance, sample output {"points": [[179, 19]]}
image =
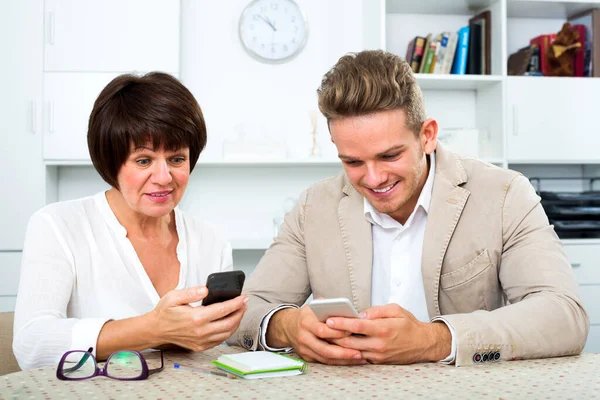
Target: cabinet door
{"points": [[112, 35], [68, 100], [553, 119], [21, 165]]}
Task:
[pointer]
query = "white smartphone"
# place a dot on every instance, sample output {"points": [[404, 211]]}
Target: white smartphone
{"points": [[339, 307]]}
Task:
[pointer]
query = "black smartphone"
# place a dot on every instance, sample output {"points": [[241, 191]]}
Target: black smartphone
{"points": [[223, 286]]}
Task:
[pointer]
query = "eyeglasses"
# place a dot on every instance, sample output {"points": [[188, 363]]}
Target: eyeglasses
{"points": [[127, 365]]}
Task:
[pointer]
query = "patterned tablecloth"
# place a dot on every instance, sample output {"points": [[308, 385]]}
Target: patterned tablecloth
{"points": [[560, 378]]}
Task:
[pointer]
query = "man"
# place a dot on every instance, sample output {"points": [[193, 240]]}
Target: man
{"points": [[447, 258]]}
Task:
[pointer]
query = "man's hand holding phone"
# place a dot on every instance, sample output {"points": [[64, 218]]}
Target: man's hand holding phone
{"points": [[309, 337], [392, 335]]}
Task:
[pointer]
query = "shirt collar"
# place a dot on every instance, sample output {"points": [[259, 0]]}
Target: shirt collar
{"points": [[375, 217]]}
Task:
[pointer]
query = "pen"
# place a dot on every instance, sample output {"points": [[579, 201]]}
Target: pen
{"points": [[203, 371]]}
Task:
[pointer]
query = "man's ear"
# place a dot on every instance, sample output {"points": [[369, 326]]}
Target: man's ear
{"points": [[428, 135]]}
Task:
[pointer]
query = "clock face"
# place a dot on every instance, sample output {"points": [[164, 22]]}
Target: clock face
{"points": [[273, 30]]}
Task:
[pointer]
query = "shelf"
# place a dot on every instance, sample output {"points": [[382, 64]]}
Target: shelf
{"points": [[493, 160], [216, 163], [561, 162], [272, 163], [445, 7], [250, 244], [66, 163], [456, 82], [547, 8]]}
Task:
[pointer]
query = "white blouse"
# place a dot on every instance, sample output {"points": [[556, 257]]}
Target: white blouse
{"points": [[79, 271]]}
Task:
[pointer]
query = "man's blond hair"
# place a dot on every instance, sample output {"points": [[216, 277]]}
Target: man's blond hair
{"points": [[370, 81]]}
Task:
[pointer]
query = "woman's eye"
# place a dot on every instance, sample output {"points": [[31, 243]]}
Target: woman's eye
{"points": [[142, 162], [177, 160]]}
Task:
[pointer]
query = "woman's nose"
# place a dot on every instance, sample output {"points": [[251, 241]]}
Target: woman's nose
{"points": [[162, 173]]}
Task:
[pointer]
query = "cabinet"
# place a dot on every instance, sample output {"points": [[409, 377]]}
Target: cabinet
{"points": [[583, 255], [69, 99], [21, 165], [9, 270], [112, 35], [552, 120]]}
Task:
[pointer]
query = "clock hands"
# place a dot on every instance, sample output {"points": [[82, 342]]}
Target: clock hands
{"points": [[266, 20]]}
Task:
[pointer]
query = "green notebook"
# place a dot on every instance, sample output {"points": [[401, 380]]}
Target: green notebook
{"points": [[260, 364]]}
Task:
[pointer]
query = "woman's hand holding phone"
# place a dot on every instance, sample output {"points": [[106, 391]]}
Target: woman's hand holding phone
{"points": [[174, 321]]}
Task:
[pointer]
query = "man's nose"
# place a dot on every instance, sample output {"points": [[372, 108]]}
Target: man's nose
{"points": [[375, 176]]}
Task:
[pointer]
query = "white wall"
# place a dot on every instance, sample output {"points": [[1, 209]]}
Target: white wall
{"points": [[234, 88]]}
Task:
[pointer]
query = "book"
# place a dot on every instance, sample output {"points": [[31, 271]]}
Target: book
{"points": [[474, 59], [591, 20], [429, 56], [260, 364], [579, 60], [482, 34], [450, 53], [425, 51], [414, 53], [459, 66], [441, 52], [519, 62], [543, 42], [436, 44]]}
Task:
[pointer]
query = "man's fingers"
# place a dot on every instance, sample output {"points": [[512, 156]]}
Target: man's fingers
{"points": [[387, 311], [323, 331], [311, 356], [330, 351], [352, 325], [362, 343]]}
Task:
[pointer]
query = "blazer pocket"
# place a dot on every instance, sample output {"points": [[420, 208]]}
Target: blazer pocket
{"points": [[465, 274]]}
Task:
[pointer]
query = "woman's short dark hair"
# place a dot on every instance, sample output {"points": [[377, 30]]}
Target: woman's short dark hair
{"points": [[155, 108]]}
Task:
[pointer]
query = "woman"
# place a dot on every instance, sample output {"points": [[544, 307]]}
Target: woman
{"points": [[123, 269]]}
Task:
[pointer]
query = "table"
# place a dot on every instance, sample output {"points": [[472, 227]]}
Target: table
{"points": [[564, 378]]}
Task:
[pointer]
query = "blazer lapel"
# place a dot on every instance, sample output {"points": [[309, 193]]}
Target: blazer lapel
{"points": [[358, 245], [447, 203]]}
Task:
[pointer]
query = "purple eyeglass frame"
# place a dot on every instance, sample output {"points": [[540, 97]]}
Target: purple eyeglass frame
{"points": [[102, 371]]}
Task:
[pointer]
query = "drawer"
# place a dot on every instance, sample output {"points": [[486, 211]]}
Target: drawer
{"points": [[593, 341], [590, 295], [10, 266], [585, 259]]}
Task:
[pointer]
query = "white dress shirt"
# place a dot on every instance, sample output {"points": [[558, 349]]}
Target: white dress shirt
{"points": [[397, 251], [79, 270]]}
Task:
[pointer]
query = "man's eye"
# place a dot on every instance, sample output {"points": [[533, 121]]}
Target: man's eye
{"points": [[143, 162], [351, 163], [390, 156]]}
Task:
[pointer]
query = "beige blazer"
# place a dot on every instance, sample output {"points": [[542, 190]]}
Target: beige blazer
{"points": [[487, 244]]}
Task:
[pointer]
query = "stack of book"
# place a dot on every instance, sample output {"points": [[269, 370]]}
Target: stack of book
{"points": [[464, 52], [260, 364]]}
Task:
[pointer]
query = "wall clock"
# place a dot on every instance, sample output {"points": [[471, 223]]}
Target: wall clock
{"points": [[273, 31]]}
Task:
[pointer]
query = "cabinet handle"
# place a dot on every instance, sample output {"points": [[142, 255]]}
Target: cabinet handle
{"points": [[575, 265], [51, 28], [515, 120], [51, 117]]}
